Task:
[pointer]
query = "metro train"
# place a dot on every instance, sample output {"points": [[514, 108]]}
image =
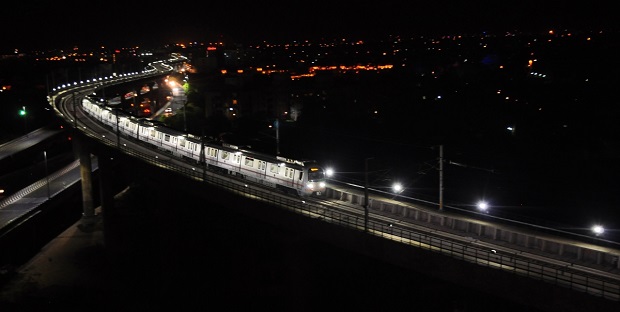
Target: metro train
{"points": [[299, 177]]}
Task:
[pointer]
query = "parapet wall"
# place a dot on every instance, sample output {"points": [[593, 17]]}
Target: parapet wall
{"points": [[511, 236]]}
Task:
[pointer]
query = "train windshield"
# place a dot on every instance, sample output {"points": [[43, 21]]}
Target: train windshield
{"points": [[316, 174]]}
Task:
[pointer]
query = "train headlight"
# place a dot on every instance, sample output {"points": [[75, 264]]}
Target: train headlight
{"points": [[310, 185], [322, 184]]}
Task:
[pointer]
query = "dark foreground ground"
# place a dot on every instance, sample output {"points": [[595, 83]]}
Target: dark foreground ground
{"points": [[194, 257]]}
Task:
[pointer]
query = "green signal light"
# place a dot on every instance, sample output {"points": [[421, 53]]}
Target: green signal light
{"points": [[22, 112]]}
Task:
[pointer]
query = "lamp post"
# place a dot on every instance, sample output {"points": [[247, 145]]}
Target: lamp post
{"points": [[440, 177], [47, 178], [118, 132], [74, 112], [366, 193], [184, 116], [277, 125]]}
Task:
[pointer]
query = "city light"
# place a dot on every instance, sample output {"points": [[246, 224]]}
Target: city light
{"points": [[483, 206], [329, 172], [598, 229], [397, 187]]}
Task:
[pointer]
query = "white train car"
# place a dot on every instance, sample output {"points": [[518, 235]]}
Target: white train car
{"points": [[303, 178]]}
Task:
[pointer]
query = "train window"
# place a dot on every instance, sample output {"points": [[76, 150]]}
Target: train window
{"points": [[237, 158], [301, 175], [262, 165], [153, 133], [182, 143], [315, 174], [249, 162], [225, 155], [212, 152], [167, 138], [274, 168]]}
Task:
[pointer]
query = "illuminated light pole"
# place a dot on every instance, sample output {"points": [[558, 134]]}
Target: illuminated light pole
{"points": [[277, 125], [598, 230], [118, 132], [203, 158], [440, 177], [74, 112], [184, 116], [47, 178], [366, 193], [441, 161]]}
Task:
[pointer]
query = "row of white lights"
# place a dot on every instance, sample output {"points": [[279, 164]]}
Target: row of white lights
{"points": [[482, 206]]}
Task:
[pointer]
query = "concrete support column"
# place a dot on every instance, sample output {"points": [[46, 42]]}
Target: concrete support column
{"points": [[80, 146], [107, 194]]}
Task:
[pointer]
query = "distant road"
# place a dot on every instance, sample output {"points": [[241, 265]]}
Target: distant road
{"points": [[22, 143]]}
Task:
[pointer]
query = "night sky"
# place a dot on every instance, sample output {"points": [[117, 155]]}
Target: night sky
{"points": [[58, 24]]}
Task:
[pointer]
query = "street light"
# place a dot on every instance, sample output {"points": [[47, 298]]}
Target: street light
{"points": [[397, 188], [598, 230], [277, 125], [329, 172], [366, 193], [184, 116], [47, 178], [440, 177]]}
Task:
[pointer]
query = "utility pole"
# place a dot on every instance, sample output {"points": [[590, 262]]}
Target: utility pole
{"points": [[440, 177], [118, 132], [74, 112], [184, 116], [441, 161], [203, 157], [47, 177], [277, 124], [366, 193]]}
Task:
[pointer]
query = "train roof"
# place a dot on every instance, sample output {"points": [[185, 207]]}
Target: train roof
{"points": [[265, 156], [161, 127]]}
